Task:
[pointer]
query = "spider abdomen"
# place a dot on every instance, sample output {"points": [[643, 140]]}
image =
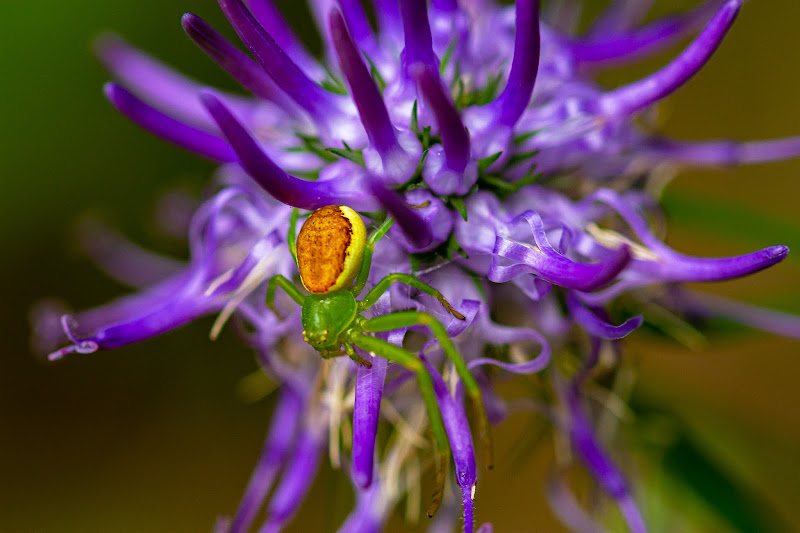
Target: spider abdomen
{"points": [[330, 247]]}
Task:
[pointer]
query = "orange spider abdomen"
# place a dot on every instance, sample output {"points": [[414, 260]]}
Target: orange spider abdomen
{"points": [[330, 247]]}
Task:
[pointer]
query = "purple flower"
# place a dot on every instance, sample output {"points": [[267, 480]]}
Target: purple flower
{"points": [[456, 119]]}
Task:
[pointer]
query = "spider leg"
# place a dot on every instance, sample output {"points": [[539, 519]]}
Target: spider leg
{"points": [[348, 348], [291, 237], [409, 360], [289, 288], [366, 259], [403, 319], [384, 284]]}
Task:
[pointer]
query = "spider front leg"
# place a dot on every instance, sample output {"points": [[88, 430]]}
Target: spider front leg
{"points": [[366, 258], [384, 284], [442, 444], [404, 319], [291, 237], [288, 287]]}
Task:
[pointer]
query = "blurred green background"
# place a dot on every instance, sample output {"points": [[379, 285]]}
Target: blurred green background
{"points": [[153, 437]]}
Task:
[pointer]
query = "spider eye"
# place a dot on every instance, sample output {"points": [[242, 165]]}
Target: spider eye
{"points": [[330, 247]]}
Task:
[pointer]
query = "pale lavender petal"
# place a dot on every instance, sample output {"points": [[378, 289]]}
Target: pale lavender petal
{"points": [[779, 323], [154, 82], [717, 153], [642, 42], [567, 509], [285, 420], [123, 260], [620, 16], [500, 335], [295, 481]]}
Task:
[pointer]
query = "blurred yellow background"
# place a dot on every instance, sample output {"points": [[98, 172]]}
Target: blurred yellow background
{"points": [[153, 438]]}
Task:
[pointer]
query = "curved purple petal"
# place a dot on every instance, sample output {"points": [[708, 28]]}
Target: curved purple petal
{"points": [[366, 95], [282, 186], [497, 334], [458, 431], [594, 325], [673, 266], [283, 71], [451, 169], [366, 412], [416, 229], [270, 18], [417, 35], [233, 61], [436, 215], [552, 266], [508, 107], [632, 98], [166, 127]]}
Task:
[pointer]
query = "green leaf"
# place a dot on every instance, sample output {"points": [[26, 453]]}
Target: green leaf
{"points": [[375, 73], [457, 202], [488, 93], [356, 156], [522, 137], [452, 246], [520, 157], [414, 123], [446, 57], [486, 162], [426, 137]]}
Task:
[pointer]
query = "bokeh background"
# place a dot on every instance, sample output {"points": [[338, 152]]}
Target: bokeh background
{"points": [[153, 437]]}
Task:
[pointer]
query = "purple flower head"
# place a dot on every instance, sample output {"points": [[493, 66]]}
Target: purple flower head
{"points": [[457, 120]]}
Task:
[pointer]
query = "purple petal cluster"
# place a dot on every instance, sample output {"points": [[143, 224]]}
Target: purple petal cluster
{"points": [[511, 175]]}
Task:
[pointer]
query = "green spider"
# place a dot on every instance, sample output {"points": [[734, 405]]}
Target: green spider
{"points": [[332, 252]]}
